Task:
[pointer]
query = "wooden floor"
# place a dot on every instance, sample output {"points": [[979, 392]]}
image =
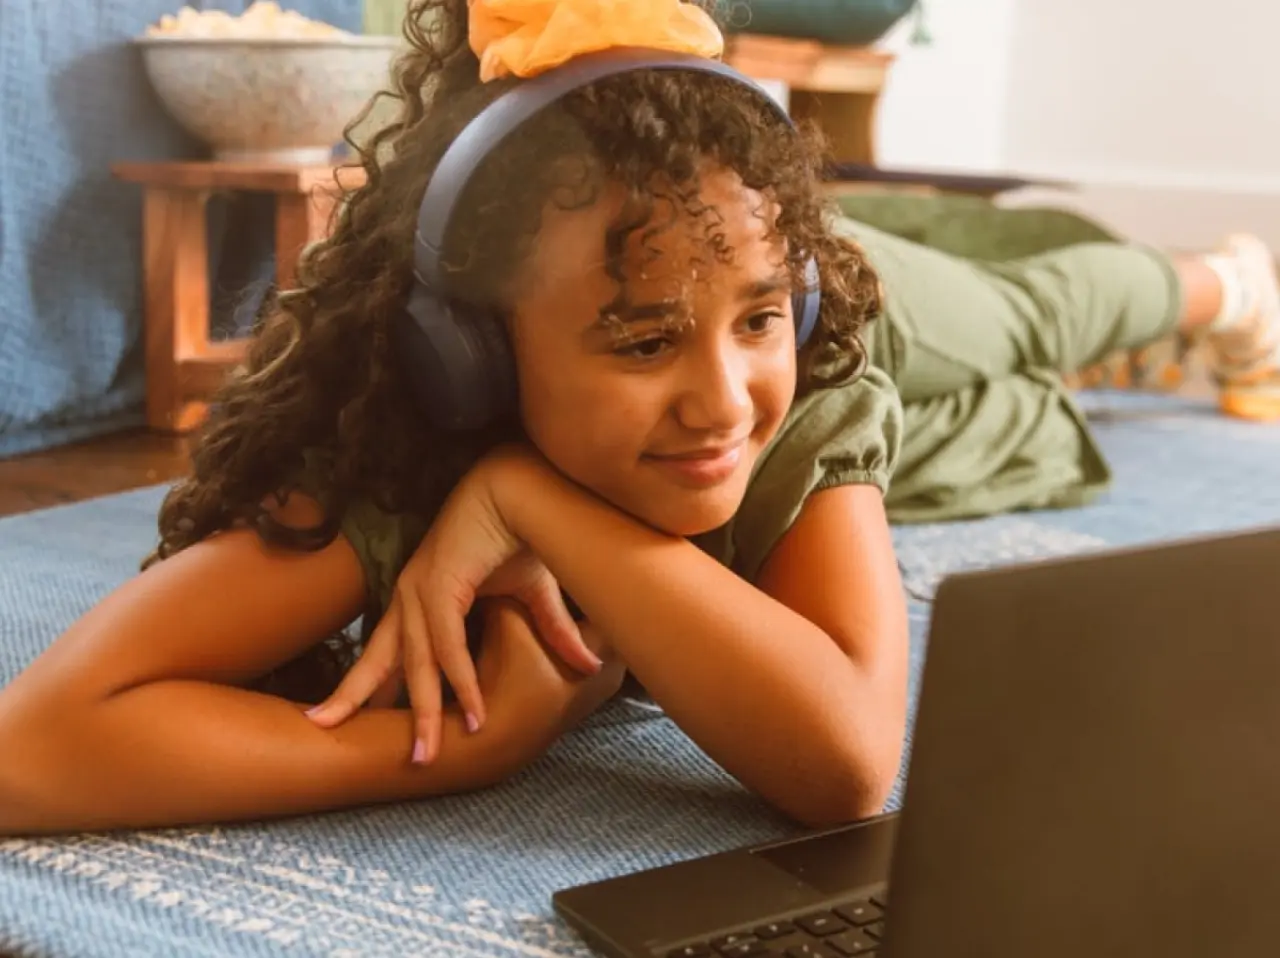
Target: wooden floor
{"points": [[85, 470]]}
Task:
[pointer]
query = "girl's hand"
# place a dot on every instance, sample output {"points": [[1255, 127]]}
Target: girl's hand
{"points": [[468, 553], [533, 697]]}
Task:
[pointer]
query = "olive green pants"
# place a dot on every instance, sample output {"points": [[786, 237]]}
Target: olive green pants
{"points": [[978, 350]]}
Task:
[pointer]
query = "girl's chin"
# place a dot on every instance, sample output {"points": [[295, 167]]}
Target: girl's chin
{"points": [[696, 519]]}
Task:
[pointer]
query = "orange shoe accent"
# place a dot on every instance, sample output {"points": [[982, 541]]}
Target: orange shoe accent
{"points": [[1255, 405], [1171, 376]]}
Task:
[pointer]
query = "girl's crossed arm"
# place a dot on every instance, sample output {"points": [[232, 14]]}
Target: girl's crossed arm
{"points": [[138, 715], [795, 684]]}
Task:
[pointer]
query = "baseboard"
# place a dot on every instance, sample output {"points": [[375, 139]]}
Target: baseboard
{"points": [[1179, 213]]}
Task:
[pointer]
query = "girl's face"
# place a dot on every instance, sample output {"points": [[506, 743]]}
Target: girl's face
{"points": [[660, 401]]}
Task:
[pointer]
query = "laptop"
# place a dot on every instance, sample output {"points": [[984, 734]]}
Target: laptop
{"points": [[1095, 773]]}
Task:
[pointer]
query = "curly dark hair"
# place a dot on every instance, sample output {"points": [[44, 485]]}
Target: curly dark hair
{"points": [[321, 382]]}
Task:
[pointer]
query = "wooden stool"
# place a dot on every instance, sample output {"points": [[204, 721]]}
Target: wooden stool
{"points": [[183, 366], [838, 87]]}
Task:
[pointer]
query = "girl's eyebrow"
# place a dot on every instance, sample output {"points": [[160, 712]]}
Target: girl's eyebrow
{"points": [[612, 314], [760, 288]]}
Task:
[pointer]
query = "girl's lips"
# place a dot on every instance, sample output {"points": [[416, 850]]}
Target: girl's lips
{"points": [[701, 468]]}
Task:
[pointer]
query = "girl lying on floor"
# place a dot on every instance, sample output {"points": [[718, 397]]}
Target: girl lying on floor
{"points": [[643, 370]]}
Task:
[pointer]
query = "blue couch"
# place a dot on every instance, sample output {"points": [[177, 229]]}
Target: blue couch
{"points": [[75, 100]]}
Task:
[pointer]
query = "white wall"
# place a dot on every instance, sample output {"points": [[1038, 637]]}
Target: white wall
{"points": [[1166, 113], [1179, 93], [944, 106]]}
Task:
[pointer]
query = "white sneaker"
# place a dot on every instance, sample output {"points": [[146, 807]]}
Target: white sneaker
{"points": [[1246, 355]]}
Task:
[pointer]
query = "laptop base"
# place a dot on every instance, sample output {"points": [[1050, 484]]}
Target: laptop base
{"points": [[827, 889]]}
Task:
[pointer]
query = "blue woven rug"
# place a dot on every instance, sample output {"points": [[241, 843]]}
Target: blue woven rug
{"points": [[473, 876]]}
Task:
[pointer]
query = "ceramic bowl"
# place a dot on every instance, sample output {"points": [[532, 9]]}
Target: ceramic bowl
{"points": [[267, 100]]}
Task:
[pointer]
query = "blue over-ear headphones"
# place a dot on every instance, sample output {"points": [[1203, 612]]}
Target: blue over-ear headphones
{"points": [[458, 360]]}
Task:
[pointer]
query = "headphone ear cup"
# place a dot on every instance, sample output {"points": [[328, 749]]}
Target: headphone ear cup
{"points": [[806, 303], [496, 365], [458, 363]]}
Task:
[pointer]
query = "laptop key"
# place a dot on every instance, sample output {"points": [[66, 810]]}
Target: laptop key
{"points": [[809, 950], [860, 912], [875, 931], [728, 941], [821, 924], [691, 951], [746, 949], [853, 942], [775, 929]]}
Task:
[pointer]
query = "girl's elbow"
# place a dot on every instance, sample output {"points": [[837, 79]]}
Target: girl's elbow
{"points": [[855, 784]]}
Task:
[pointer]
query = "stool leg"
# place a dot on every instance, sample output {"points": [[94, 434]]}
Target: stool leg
{"points": [[301, 219], [176, 278]]}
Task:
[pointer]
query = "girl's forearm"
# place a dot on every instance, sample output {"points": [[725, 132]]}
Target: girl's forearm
{"points": [[765, 692], [178, 752], [187, 752]]}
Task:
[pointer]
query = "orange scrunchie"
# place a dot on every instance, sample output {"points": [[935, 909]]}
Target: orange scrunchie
{"points": [[527, 37]]}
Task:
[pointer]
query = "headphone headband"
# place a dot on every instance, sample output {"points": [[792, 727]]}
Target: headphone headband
{"points": [[521, 103]]}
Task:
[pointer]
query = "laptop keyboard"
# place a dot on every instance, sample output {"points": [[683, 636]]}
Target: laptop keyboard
{"points": [[852, 928]]}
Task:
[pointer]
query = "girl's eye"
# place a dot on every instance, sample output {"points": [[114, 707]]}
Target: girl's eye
{"points": [[762, 323], [650, 348]]}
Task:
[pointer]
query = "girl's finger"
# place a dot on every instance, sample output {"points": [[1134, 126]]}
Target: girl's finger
{"points": [[388, 693], [422, 678], [449, 642], [556, 627], [376, 665]]}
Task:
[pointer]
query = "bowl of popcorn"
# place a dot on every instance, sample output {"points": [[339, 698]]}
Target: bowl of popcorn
{"points": [[269, 86]]}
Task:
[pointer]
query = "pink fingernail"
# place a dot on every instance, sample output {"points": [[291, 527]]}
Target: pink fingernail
{"points": [[419, 752], [314, 711], [473, 723]]}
